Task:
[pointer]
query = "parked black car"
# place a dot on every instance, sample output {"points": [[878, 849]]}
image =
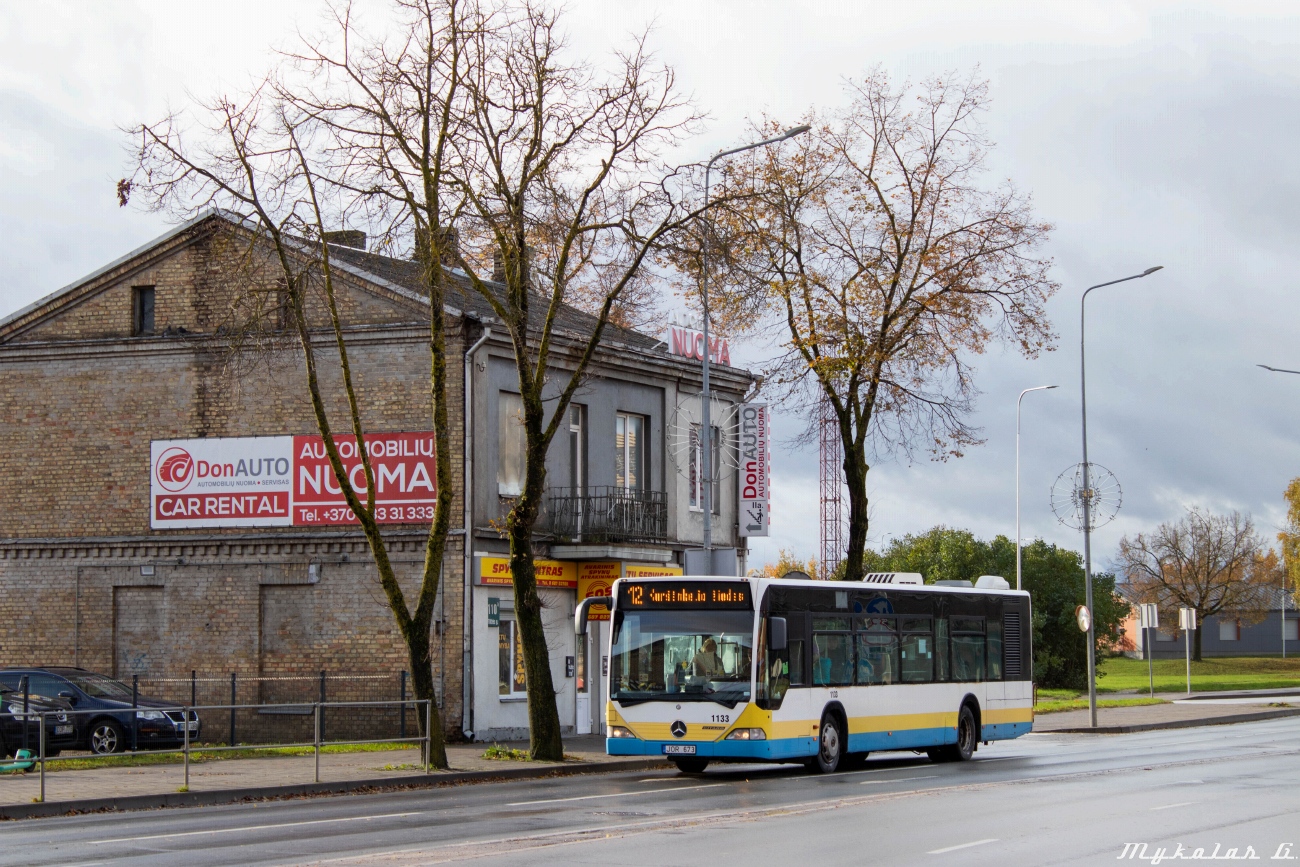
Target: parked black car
{"points": [[157, 723], [60, 728]]}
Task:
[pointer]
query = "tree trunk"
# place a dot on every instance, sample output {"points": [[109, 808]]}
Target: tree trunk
{"points": [[417, 648], [544, 743], [1196, 639], [855, 477]]}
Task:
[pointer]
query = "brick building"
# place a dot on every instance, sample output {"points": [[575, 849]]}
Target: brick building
{"points": [[140, 352]]}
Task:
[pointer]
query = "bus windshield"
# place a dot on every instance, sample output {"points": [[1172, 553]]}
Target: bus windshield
{"points": [[682, 656]]}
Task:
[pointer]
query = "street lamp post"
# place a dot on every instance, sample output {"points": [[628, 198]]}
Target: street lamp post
{"points": [[1022, 397], [706, 422], [1086, 495], [1282, 370]]}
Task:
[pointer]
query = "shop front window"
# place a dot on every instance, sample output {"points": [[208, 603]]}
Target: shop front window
{"points": [[510, 661]]}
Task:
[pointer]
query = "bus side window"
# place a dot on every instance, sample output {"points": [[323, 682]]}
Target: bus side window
{"points": [[941, 649], [994, 643], [968, 648], [796, 662]]}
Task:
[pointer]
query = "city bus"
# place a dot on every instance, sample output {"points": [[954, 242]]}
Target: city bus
{"points": [[706, 669]]}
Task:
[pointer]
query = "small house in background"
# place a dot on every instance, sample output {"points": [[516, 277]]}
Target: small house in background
{"points": [[1222, 634]]}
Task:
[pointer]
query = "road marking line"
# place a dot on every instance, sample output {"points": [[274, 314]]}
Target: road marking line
{"points": [[616, 795], [1171, 806], [903, 780], [961, 846], [251, 828], [910, 767]]}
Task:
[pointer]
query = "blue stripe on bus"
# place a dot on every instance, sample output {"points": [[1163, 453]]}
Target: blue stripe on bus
{"points": [[1005, 731], [901, 739], [801, 748], [773, 750]]}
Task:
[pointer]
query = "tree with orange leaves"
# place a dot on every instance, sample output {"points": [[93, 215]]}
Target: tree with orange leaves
{"points": [[874, 254]]}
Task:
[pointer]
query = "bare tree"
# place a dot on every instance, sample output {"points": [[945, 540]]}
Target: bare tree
{"points": [[870, 250], [365, 131], [1216, 564], [558, 161]]}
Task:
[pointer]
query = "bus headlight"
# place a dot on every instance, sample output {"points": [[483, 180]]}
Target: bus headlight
{"points": [[747, 735], [620, 732]]}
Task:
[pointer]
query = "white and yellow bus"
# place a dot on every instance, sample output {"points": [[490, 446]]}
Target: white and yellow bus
{"points": [[772, 670]]}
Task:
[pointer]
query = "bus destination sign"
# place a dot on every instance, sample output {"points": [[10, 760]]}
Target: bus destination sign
{"points": [[684, 594]]}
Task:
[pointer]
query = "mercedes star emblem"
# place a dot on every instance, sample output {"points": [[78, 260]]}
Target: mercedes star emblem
{"points": [[678, 728]]}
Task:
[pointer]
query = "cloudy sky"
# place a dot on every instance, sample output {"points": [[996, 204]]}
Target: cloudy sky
{"points": [[1148, 133]]}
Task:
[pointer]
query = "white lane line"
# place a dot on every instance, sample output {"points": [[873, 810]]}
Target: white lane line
{"points": [[961, 846], [617, 795], [901, 780], [1171, 806], [251, 828], [911, 767]]}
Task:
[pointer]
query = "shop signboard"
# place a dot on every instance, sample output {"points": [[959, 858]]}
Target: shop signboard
{"points": [[287, 481], [495, 572], [597, 579], [650, 570], [755, 469]]}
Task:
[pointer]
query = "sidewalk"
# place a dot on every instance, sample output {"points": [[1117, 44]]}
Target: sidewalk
{"points": [[260, 775], [124, 787], [1200, 709]]}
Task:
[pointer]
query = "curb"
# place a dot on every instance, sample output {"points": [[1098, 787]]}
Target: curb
{"points": [[260, 793], [1175, 724]]}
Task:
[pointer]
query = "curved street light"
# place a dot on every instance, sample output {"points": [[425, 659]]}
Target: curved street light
{"points": [[1086, 499], [1022, 397], [1281, 370], [706, 423]]}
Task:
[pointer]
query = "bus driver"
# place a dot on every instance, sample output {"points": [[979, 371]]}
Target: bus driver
{"points": [[706, 662]]}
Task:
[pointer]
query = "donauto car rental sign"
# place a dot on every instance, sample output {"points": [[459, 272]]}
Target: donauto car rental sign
{"points": [[287, 481]]}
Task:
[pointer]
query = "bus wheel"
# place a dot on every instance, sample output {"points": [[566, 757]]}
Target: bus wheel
{"points": [[830, 746], [691, 766], [966, 738]]}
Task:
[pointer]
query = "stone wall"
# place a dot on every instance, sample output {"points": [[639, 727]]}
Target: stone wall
{"points": [[83, 578]]}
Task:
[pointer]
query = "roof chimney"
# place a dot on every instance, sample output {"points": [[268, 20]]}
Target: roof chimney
{"points": [[354, 238], [449, 249]]}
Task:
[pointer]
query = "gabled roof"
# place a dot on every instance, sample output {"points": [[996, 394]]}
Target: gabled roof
{"points": [[398, 276]]}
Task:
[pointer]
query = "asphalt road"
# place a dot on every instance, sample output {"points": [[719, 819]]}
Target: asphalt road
{"points": [[1042, 799]]}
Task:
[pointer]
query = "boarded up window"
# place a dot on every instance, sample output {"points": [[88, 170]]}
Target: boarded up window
{"points": [[139, 632], [286, 639]]}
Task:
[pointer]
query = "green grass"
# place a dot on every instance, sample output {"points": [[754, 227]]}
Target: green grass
{"points": [[508, 754], [1056, 705], [135, 760], [1208, 675]]}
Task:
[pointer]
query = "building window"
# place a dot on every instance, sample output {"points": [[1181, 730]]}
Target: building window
{"points": [[512, 444], [1229, 630], [510, 661], [142, 319], [280, 315], [1291, 628], [697, 469], [630, 455], [1164, 635], [577, 448]]}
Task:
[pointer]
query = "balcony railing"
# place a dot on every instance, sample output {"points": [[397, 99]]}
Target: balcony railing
{"points": [[608, 514]]}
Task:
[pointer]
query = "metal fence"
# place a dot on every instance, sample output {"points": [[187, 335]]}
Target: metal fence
{"points": [[315, 712], [608, 514], [276, 708]]}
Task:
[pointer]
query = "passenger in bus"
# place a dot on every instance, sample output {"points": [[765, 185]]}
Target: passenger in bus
{"points": [[706, 662]]}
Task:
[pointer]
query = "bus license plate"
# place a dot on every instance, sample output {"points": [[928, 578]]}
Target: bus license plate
{"points": [[679, 749]]}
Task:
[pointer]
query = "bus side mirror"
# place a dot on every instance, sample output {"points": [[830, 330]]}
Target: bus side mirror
{"points": [[584, 608], [776, 638]]}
